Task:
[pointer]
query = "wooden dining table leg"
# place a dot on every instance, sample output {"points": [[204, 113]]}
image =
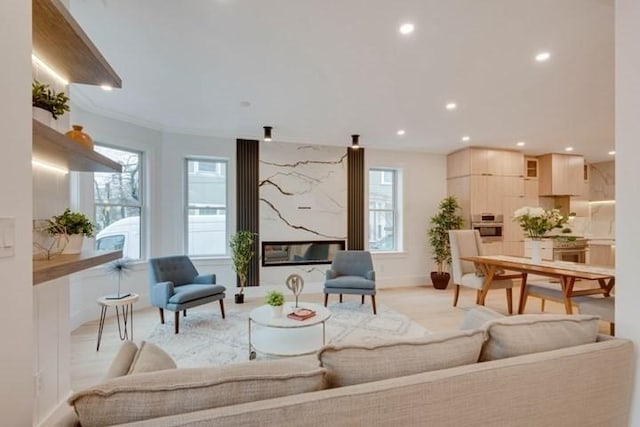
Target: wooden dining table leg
{"points": [[567, 289], [607, 286], [523, 294], [489, 271]]}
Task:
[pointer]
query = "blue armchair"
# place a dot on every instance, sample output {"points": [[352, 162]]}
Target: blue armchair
{"points": [[176, 285], [351, 273]]}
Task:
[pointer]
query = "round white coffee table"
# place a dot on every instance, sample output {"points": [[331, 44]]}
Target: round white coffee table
{"points": [[282, 336]]}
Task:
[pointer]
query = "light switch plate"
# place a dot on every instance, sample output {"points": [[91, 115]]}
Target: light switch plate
{"points": [[7, 237]]}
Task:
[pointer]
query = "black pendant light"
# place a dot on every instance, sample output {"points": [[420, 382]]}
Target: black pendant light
{"points": [[267, 133], [354, 142]]}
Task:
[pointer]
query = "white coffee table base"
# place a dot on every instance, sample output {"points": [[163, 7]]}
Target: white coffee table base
{"points": [[286, 337]]}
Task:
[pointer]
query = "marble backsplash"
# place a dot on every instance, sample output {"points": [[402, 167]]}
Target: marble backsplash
{"points": [[602, 187]]}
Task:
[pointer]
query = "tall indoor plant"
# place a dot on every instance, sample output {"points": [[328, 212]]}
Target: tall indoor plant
{"points": [[447, 218], [241, 254]]}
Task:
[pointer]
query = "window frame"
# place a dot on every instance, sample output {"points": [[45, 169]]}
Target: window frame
{"points": [[141, 196], [187, 207], [395, 210]]}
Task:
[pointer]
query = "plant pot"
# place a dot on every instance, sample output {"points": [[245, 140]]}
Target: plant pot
{"points": [[239, 298], [80, 137], [74, 244], [440, 280], [45, 117], [277, 311]]}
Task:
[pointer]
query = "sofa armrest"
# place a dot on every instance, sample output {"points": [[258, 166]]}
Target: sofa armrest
{"points": [[205, 279], [331, 274], [160, 293], [371, 275]]}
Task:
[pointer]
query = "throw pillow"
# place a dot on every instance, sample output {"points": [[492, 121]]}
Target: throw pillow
{"points": [[534, 333], [178, 391], [477, 317], [122, 362], [357, 364], [150, 358]]}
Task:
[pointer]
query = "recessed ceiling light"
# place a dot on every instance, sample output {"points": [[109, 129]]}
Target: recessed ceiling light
{"points": [[400, 132], [106, 88], [520, 143], [543, 56], [568, 149], [466, 138], [612, 153], [407, 28], [451, 106]]}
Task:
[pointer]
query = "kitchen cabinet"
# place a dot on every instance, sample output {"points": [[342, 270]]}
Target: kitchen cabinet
{"points": [[601, 253], [531, 167], [487, 192], [560, 174], [459, 188], [485, 161], [531, 190], [514, 248], [492, 248], [458, 163]]}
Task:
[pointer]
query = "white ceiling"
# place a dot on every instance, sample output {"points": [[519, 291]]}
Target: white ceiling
{"points": [[320, 70]]}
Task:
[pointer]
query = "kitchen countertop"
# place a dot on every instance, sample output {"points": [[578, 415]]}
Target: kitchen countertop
{"points": [[602, 242]]}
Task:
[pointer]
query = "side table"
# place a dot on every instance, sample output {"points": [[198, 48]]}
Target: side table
{"points": [[126, 304]]}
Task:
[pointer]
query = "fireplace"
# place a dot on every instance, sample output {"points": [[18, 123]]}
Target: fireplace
{"points": [[275, 254]]}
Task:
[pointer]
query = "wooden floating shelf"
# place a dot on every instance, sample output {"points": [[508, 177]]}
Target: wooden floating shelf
{"points": [[63, 265], [60, 42], [51, 147]]}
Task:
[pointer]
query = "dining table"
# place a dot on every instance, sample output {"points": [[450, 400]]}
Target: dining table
{"points": [[567, 273]]}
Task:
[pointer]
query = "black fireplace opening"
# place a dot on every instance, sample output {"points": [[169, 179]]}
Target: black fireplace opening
{"points": [[305, 252]]}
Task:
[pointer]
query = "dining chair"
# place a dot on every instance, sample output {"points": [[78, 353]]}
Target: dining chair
{"points": [[468, 243]]}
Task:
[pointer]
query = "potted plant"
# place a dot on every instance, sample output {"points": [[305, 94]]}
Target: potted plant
{"points": [[276, 300], [241, 254], [76, 225], [446, 219], [47, 104]]}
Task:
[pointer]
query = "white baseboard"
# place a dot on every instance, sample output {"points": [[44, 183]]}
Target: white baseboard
{"points": [[57, 414]]}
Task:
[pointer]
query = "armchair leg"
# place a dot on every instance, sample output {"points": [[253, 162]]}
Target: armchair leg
{"points": [[542, 302], [362, 299], [177, 320], [612, 329], [510, 300], [326, 299], [341, 298], [222, 308], [184, 313], [373, 303], [456, 295], [161, 316]]}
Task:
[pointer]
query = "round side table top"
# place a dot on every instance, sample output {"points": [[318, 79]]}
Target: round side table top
{"points": [[105, 300], [263, 315]]}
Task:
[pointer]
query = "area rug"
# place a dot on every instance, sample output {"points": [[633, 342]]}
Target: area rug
{"points": [[205, 339]]}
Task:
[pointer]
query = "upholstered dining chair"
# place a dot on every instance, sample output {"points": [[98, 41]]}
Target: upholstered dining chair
{"points": [[351, 273], [468, 243], [175, 285]]}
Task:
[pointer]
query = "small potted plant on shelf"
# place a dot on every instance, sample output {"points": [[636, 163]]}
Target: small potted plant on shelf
{"points": [[241, 254], [76, 225], [446, 219], [276, 300], [47, 104]]}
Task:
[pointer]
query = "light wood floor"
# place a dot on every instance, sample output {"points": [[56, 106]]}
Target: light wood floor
{"points": [[427, 306]]}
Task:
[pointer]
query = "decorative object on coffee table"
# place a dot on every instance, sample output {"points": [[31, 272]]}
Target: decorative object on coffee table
{"points": [[80, 137], [241, 245], [275, 299], [295, 283], [118, 268], [76, 225], [446, 219]]}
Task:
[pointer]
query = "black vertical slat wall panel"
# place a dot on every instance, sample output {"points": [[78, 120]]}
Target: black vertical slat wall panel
{"points": [[355, 196], [247, 198]]}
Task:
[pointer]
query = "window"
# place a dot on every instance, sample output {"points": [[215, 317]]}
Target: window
{"points": [[383, 210], [118, 203], [206, 210]]}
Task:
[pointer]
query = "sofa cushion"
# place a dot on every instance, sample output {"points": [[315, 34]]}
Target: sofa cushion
{"points": [[477, 317], [534, 333], [355, 364], [122, 362], [176, 391], [150, 358]]}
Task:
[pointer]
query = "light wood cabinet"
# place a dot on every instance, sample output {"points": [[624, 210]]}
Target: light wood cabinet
{"points": [[492, 248], [560, 174], [531, 167], [531, 190], [513, 248], [458, 163], [487, 192], [512, 163], [602, 255], [459, 188], [485, 161]]}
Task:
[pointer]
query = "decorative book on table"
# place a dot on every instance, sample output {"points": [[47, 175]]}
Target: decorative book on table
{"points": [[301, 314]]}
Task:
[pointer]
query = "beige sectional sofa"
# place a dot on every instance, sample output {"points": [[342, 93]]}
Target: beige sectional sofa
{"points": [[532, 370]]}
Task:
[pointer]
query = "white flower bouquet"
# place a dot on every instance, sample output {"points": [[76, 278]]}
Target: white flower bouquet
{"points": [[536, 222]]}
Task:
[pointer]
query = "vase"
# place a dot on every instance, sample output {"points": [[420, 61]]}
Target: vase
{"points": [[74, 244], [80, 137], [535, 251], [277, 311]]}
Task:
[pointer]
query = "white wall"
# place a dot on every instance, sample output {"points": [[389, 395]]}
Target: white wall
{"points": [[424, 184], [16, 357], [627, 178]]}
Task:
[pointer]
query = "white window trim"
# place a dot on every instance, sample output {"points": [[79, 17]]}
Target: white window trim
{"points": [[397, 208]]}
